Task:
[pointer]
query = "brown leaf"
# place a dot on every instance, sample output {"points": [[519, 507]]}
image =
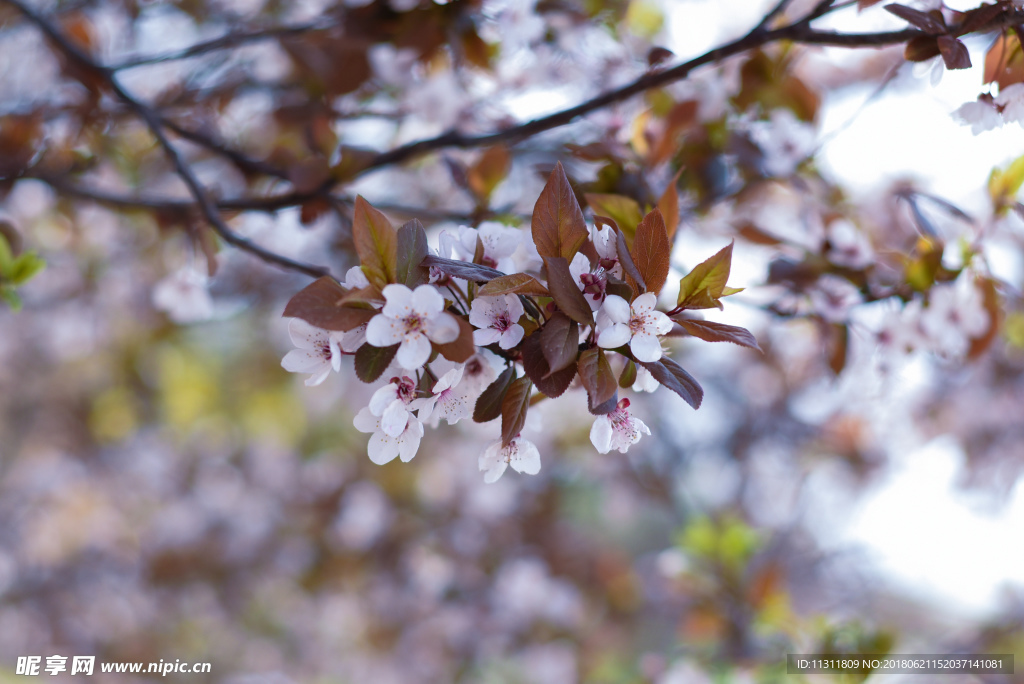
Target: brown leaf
{"points": [[990, 301], [514, 283], [605, 407], [376, 243], [633, 278], [462, 347], [628, 376], [597, 376], [668, 203], [922, 20], [551, 384], [462, 269], [652, 250], [411, 250], [837, 343], [488, 405], [624, 211], [566, 293], [371, 362], [322, 303], [921, 48], [954, 53], [513, 409], [558, 227], [1004, 62], [559, 342], [674, 377], [492, 167], [718, 332], [864, 4], [706, 283]]}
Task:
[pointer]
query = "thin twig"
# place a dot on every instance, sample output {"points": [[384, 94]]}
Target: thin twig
{"points": [[230, 40]]}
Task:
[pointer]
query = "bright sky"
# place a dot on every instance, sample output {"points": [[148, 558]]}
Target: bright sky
{"points": [[916, 527]]}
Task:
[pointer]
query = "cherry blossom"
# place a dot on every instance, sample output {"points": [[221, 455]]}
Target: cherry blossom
{"points": [[785, 140], [355, 279], [450, 400], [413, 319], [645, 381], [318, 351], [1010, 101], [954, 316], [184, 296], [396, 432], [592, 285], [520, 453], [637, 324], [496, 319], [604, 242], [982, 115], [617, 430], [499, 241]]}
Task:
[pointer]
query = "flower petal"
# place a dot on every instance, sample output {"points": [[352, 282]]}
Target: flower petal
{"points": [[645, 347], [601, 434], [395, 419], [616, 308], [304, 335], [365, 421], [398, 300], [613, 337], [352, 340], [514, 307], [414, 352], [644, 303], [442, 328], [511, 337], [409, 441], [302, 361], [492, 462], [381, 448], [486, 336], [526, 458], [449, 379], [383, 398], [355, 279], [319, 377], [662, 323], [383, 331], [427, 301]]}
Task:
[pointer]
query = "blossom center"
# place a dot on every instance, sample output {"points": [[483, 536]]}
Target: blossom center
{"points": [[637, 323], [502, 322], [413, 323]]}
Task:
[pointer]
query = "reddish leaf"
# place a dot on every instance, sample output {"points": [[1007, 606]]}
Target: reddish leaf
{"points": [[954, 53], [605, 407], [514, 283], [462, 347], [371, 362], [488, 171], [651, 251], [558, 227], [376, 243], [837, 343], [625, 211], [488, 405], [718, 332], [668, 203], [513, 409], [674, 377], [617, 287], [551, 384], [323, 303], [922, 20], [633, 277], [597, 376], [1004, 62], [628, 376], [864, 4], [990, 301], [566, 293], [462, 269], [921, 48], [559, 342], [702, 287], [981, 17], [412, 249]]}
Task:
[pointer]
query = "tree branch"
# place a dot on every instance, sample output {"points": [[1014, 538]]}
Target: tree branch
{"points": [[206, 206]]}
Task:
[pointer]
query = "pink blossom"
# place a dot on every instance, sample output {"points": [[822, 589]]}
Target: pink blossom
{"points": [[412, 319], [520, 453], [496, 318], [317, 353], [617, 430], [637, 324]]}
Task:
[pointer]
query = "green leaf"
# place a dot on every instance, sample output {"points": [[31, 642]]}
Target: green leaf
{"points": [[559, 342], [674, 377], [326, 304], [11, 297], [411, 250], [551, 384], [513, 409], [652, 251], [558, 226], [597, 376], [515, 283], [488, 405], [462, 347], [702, 287], [566, 293], [625, 211], [718, 332], [6, 257], [1004, 184], [628, 376], [376, 243], [371, 362], [24, 267]]}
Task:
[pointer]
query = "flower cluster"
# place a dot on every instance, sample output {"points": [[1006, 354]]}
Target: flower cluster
{"points": [[987, 112], [491, 322]]}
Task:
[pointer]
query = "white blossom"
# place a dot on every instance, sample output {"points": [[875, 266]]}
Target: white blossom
{"points": [[645, 381], [617, 430], [499, 241], [1011, 101], [184, 296], [396, 432], [849, 246], [954, 316], [637, 324], [785, 141], [592, 285], [496, 318], [413, 319], [450, 400], [832, 298], [520, 453], [318, 351], [981, 115], [607, 249], [355, 279]]}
